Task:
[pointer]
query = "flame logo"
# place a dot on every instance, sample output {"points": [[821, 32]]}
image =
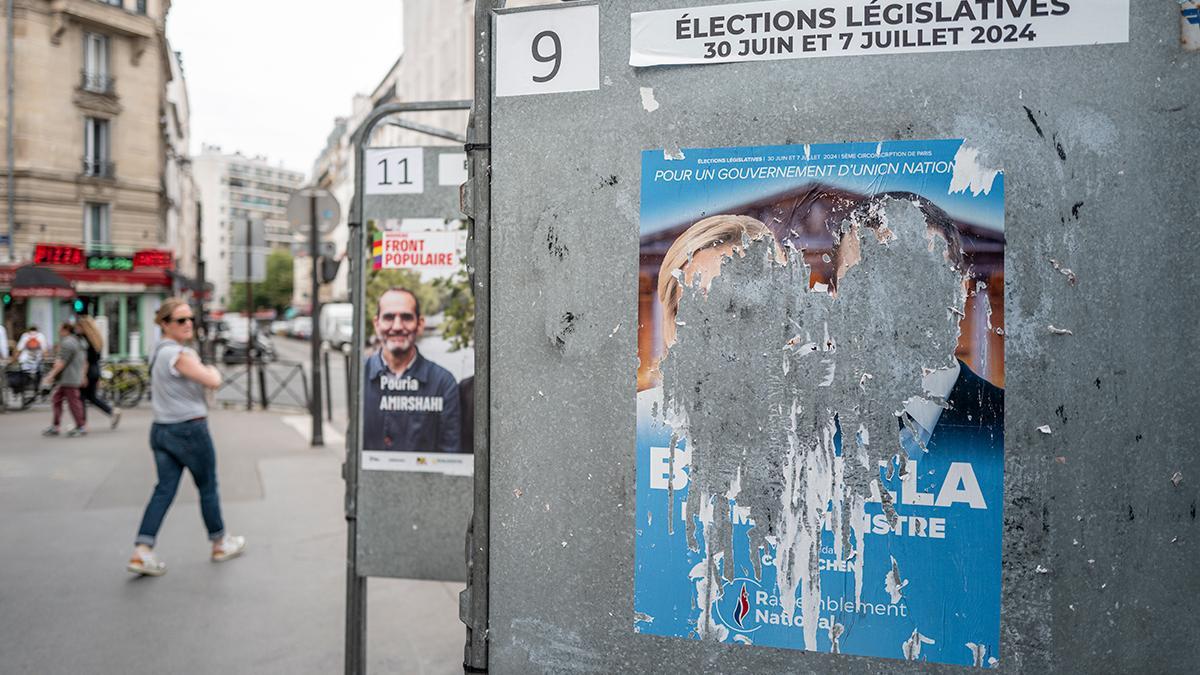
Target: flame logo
{"points": [[743, 607]]}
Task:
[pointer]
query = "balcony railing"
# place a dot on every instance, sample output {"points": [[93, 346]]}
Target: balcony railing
{"points": [[97, 83], [98, 169]]}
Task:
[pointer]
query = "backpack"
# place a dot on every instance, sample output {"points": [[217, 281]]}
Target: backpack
{"points": [[33, 344]]}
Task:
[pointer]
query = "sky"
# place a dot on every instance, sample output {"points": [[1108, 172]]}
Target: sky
{"points": [[268, 77]]}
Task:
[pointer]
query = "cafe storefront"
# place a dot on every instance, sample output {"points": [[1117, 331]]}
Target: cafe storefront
{"points": [[121, 289]]}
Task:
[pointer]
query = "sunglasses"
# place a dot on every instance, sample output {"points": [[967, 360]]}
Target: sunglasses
{"points": [[405, 317], [182, 320]]}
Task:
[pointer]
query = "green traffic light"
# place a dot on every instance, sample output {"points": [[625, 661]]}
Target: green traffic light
{"points": [[78, 306], [7, 299]]}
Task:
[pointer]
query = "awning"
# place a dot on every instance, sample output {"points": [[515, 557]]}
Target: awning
{"points": [[32, 281]]}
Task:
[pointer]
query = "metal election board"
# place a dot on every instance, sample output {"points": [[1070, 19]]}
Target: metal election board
{"points": [[410, 524], [1072, 124]]}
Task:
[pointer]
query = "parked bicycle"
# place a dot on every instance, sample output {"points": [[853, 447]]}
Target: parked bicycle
{"points": [[24, 386], [124, 384]]}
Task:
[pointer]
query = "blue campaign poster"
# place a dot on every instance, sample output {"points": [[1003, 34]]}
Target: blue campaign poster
{"points": [[927, 586]]}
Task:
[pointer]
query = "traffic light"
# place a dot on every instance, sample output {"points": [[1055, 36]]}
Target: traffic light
{"points": [[7, 299], [78, 306]]}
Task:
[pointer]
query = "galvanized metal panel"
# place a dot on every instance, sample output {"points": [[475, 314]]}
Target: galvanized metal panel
{"points": [[1096, 141], [413, 525]]}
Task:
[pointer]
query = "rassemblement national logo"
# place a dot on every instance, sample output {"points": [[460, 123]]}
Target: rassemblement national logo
{"points": [[735, 609]]}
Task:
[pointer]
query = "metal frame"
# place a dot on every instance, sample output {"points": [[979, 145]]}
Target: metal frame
{"points": [[356, 589]]}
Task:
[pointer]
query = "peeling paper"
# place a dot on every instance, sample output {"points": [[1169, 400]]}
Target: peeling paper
{"points": [[969, 175], [1065, 271], [779, 444], [912, 646], [1045, 429], [648, 101], [1177, 478], [1058, 331]]}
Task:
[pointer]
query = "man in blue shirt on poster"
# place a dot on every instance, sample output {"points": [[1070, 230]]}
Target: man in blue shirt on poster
{"points": [[410, 404]]}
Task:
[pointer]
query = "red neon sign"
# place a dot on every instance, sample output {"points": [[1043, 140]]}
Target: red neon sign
{"points": [[154, 258], [57, 254]]}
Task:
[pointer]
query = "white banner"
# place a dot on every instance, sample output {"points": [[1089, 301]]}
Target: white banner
{"points": [[421, 251], [797, 29]]}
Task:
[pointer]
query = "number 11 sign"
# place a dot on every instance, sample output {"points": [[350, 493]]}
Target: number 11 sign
{"points": [[548, 51], [395, 171]]}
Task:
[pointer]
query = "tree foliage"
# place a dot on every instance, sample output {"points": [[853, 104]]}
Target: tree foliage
{"points": [[274, 293]]}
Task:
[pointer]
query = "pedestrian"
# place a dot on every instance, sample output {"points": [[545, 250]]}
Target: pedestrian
{"points": [[31, 347], [180, 439], [68, 374], [90, 332]]}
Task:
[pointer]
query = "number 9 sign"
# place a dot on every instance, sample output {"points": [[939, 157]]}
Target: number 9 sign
{"points": [[547, 51]]}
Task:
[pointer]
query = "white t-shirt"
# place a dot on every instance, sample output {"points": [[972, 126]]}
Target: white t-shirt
{"points": [[29, 355]]}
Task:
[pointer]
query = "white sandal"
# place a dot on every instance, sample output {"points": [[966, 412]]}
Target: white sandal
{"points": [[146, 564]]}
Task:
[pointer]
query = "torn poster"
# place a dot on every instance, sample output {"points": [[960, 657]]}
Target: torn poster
{"points": [[820, 425], [796, 29]]}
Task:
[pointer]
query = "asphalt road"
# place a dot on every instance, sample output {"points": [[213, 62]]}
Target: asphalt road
{"points": [[71, 508]]}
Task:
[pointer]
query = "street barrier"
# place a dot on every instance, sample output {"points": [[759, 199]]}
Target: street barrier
{"points": [[830, 338], [275, 383]]}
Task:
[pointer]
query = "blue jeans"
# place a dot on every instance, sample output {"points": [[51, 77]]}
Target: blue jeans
{"points": [[176, 447]]}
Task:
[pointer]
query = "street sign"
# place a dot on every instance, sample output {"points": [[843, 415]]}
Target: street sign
{"points": [[299, 211], [257, 237], [258, 265]]}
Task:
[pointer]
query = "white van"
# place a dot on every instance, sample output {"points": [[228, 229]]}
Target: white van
{"points": [[337, 324]]}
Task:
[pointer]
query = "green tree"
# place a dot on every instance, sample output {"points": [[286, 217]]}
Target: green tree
{"points": [[273, 293], [458, 328]]}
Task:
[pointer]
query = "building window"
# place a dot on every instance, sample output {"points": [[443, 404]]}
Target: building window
{"points": [[141, 6], [95, 148], [96, 225], [114, 3], [95, 63]]}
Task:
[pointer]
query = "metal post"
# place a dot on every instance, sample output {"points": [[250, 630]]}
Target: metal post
{"points": [[356, 586], [328, 387], [314, 235], [262, 385], [10, 74], [249, 320], [474, 600]]}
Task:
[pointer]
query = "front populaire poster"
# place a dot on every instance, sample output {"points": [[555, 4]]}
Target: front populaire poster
{"points": [[820, 417], [419, 368]]}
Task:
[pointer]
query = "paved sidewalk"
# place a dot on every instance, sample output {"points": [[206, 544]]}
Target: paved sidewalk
{"points": [[71, 508]]}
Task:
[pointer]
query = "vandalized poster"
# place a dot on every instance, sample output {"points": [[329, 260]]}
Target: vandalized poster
{"points": [[418, 371], [820, 425]]}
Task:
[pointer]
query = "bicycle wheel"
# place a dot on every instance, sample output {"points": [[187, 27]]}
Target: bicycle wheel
{"points": [[127, 388]]}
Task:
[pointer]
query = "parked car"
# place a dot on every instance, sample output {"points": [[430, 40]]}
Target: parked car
{"points": [[301, 327], [280, 327], [237, 342], [337, 324]]}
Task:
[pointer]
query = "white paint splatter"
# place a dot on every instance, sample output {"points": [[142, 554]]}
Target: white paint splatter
{"points": [[969, 175], [1058, 331], [1045, 429], [648, 100]]}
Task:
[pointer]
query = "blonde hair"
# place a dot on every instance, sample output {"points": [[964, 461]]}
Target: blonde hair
{"points": [[167, 308], [711, 232], [88, 328]]}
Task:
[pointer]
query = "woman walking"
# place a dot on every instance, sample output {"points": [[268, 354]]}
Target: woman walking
{"points": [[86, 326], [180, 439]]}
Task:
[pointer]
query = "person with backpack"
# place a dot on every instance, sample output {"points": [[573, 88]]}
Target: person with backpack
{"points": [[31, 348], [180, 439]]}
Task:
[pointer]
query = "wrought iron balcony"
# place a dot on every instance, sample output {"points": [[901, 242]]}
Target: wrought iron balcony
{"points": [[97, 83], [98, 169]]}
